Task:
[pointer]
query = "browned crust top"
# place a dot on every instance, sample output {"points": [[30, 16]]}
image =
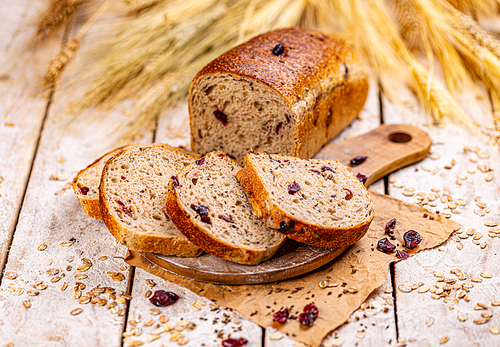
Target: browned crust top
{"points": [[309, 57]]}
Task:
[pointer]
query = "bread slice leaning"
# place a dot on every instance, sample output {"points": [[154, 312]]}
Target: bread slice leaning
{"points": [[316, 202], [206, 202], [86, 184], [133, 191]]}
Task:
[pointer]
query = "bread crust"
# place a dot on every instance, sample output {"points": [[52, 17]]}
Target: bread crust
{"points": [[319, 77], [207, 242], [294, 228], [163, 244]]}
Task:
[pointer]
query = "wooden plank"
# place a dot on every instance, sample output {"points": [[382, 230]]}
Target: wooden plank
{"points": [[416, 311], [22, 109], [373, 323], [211, 323], [51, 215]]}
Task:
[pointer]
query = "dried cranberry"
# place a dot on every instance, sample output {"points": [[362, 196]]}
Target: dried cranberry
{"points": [[200, 161], [315, 171], [120, 203], [123, 177], [349, 194], [385, 246], [162, 298], [357, 161], [402, 254], [84, 190], [230, 342], [293, 188], [307, 319], [226, 219], [278, 50], [412, 239], [312, 308], [362, 178], [284, 227], [175, 184], [202, 212], [281, 316], [389, 227], [278, 127], [126, 210], [326, 168], [221, 117]]}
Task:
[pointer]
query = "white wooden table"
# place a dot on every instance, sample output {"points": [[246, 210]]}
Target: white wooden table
{"points": [[46, 239]]}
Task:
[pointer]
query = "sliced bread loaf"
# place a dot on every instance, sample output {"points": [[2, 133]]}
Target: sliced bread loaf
{"points": [[133, 191], [86, 184], [287, 91], [206, 202], [317, 202]]}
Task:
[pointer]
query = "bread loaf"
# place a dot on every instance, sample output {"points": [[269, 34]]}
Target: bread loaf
{"points": [[317, 202], [206, 202], [288, 91], [133, 192]]}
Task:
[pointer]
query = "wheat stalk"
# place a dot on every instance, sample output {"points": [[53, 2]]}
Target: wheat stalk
{"points": [[68, 52]]}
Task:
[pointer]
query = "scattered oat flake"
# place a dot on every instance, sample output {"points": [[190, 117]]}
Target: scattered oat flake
{"points": [[490, 224], [429, 321], [481, 320], [486, 275], [360, 334], [66, 243], [462, 316], [76, 311], [494, 331], [488, 177], [443, 340], [276, 336]]}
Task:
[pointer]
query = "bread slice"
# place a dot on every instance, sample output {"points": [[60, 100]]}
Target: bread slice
{"points": [[287, 91], [316, 202], [86, 184], [133, 191], [206, 202]]}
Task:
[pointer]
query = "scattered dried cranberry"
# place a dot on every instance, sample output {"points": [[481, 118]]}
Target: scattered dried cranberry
{"points": [[362, 178], [385, 246], [202, 212], [315, 171], [176, 181], [200, 161], [234, 342], [349, 194], [226, 219], [162, 298], [120, 203], [389, 227], [412, 239], [293, 188], [357, 161], [278, 50], [123, 177], [278, 127], [402, 254], [281, 316], [284, 227], [326, 168], [84, 190], [221, 117], [126, 210], [307, 319], [312, 308]]}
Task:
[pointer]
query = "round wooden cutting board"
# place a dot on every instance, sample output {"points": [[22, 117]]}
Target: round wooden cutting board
{"points": [[388, 148]]}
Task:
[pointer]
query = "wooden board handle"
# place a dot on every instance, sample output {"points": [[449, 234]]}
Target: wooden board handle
{"points": [[388, 148]]}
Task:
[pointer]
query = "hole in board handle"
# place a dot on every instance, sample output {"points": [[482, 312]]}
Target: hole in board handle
{"points": [[400, 137]]}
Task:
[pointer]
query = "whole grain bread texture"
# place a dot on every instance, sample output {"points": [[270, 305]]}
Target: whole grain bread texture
{"points": [[287, 91], [133, 192], [316, 202], [86, 183], [209, 206]]}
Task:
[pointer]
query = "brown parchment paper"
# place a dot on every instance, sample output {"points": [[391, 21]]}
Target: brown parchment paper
{"points": [[371, 269]]}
